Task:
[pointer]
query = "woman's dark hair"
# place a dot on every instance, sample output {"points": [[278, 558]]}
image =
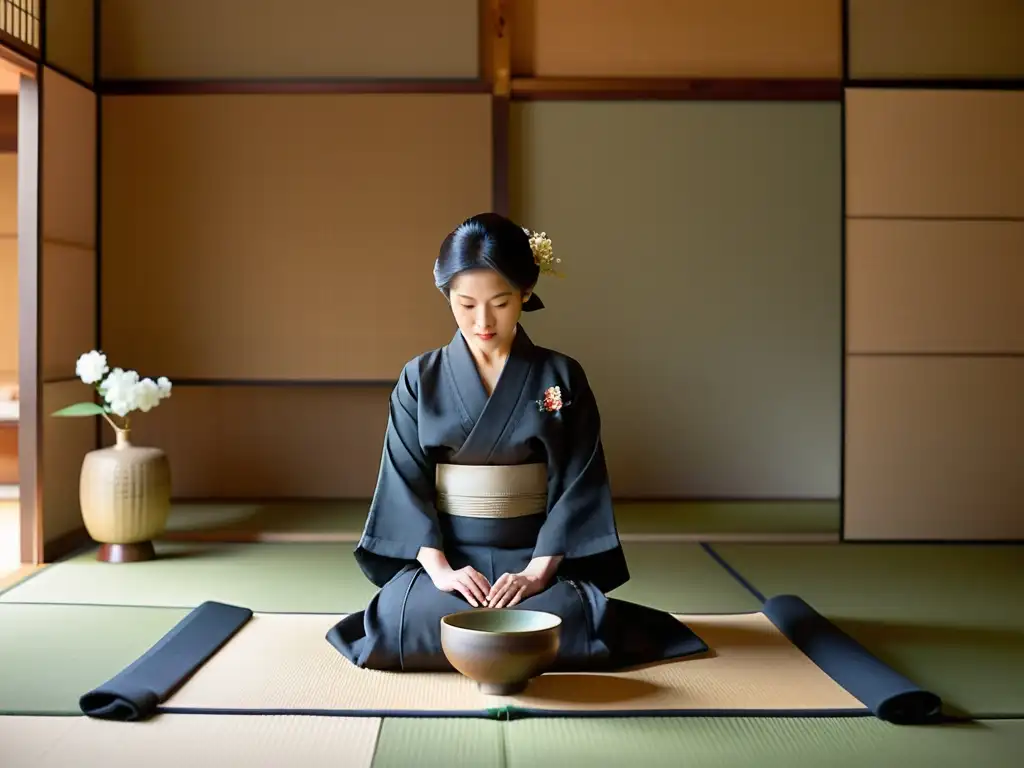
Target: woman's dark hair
{"points": [[489, 241]]}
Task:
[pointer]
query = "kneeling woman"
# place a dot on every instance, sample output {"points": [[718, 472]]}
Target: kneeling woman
{"points": [[493, 489]]}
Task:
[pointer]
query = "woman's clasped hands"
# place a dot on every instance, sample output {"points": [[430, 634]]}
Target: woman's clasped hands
{"points": [[508, 590]]}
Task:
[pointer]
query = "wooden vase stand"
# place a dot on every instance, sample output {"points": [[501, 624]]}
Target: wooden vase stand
{"points": [[126, 553]]}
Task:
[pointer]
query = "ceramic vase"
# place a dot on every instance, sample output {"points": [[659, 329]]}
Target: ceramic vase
{"points": [[125, 495]]}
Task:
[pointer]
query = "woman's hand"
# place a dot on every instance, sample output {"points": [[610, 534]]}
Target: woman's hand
{"points": [[469, 582], [513, 588]]}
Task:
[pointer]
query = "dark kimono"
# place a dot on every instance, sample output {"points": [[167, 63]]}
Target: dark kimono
{"points": [[440, 413]]}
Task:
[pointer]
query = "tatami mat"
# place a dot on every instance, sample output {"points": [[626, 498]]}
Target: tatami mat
{"points": [[172, 741], [752, 667], [681, 578], [324, 578], [460, 743], [267, 521], [267, 577], [742, 743], [728, 520], [342, 521], [950, 617], [51, 654], [711, 742]]}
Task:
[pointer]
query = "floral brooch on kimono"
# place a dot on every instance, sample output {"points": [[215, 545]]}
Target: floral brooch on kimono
{"points": [[552, 401]]}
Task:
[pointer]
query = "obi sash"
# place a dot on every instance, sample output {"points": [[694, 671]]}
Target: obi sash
{"points": [[484, 491]]}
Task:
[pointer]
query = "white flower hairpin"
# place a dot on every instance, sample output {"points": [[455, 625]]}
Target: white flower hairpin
{"points": [[543, 253]]}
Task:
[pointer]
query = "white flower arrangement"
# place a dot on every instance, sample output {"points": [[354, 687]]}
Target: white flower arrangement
{"points": [[121, 391], [543, 253]]}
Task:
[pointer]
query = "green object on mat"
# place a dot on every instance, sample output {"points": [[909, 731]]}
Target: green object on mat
{"points": [[324, 578], [51, 654], [949, 617], [671, 742]]}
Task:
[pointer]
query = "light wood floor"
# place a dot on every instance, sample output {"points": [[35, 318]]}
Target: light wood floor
{"points": [[10, 555], [11, 569], [10, 578]]}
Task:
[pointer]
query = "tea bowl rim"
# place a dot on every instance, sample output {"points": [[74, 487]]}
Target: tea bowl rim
{"points": [[556, 622]]}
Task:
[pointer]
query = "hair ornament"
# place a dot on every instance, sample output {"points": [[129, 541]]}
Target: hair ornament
{"points": [[543, 254]]}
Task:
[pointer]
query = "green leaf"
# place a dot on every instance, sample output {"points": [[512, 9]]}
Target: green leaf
{"points": [[81, 409]]}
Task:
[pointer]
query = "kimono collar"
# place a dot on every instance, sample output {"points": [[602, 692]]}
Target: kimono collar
{"points": [[509, 387]]}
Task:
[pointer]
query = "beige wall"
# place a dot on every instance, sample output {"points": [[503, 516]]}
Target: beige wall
{"points": [[157, 39], [680, 38], [68, 289], [283, 237], [910, 39], [702, 250], [269, 441], [727, 216], [69, 37], [935, 275], [282, 208]]}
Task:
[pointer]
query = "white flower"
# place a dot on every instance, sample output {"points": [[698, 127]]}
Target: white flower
{"points": [[125, 392], [120, 391], [91, 367], [147, 395]]}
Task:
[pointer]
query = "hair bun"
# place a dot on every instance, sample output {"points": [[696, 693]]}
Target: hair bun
{"points": [[492, 241]]}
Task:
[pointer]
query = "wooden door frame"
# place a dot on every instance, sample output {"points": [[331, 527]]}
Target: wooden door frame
{"points": [[29, 325], [28, 142]]}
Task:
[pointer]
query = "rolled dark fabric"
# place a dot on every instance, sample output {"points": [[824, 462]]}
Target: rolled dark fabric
{"points": [[885, 692], [137, 691]]}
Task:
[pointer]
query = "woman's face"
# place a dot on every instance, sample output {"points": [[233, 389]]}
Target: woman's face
{"points": [[486, 308]]}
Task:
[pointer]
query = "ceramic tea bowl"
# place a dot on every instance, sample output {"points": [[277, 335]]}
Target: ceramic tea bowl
{"points": [[501, 649]]}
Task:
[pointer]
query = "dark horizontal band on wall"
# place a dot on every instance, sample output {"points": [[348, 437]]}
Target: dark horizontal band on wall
{"points": [[847, 541], [938, 354], [554, 88], [269, 383], [887, 217], [730, 500], [290, 86], [678, 89], [269, 501], [639, 89], [652, 500], [939, 84], [285, 383]]}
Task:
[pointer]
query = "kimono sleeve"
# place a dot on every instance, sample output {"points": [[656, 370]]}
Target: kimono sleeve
{"points": [[580, 523], [402, 517]]}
